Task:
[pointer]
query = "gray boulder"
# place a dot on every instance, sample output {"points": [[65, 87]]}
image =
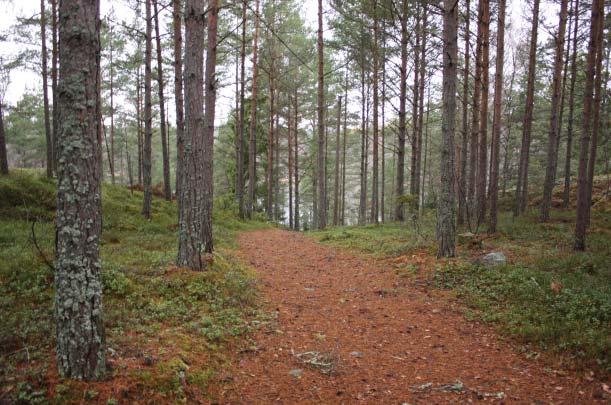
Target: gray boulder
{"points": [[492, 259]]}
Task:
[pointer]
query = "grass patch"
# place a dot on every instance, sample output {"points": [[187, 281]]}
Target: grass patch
{"points": [[547, 296], [150, 307]]}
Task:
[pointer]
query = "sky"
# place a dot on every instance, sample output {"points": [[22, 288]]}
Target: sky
{"points": [[23, 80]]}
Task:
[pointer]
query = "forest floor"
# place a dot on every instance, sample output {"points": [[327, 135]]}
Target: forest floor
{"points": [[348, 329]]}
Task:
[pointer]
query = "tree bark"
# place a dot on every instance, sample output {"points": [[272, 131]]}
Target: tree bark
{"points": [[167, 186], [148, 118], [569, 131], [483, 120], [446, 228], [270, 150], [421, 83], [321, 214], [252, 144], [462, 182], [139, 119], [240, 134], [80, 338], [402, 132], [45, 89], [336, 202], [363, 161], [290, 159], [583, 200], [522, 185], [496, 120], [54, 69], [415, 103], [345, 130], [376, 102], [191, 213], [111, 154], [179, 100], [553, 140], [296, 160]]}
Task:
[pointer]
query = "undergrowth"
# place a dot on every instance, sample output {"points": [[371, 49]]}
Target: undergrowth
{"points": [[154, 313], [547, 296]]}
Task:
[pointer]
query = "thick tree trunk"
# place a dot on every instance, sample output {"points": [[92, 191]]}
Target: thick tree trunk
{"points": [[496, 120], [374, 180], [483, 120], [240, 134], [446, 228], [78, 288], [321, 214], [336, 202], [148, 118], [45, 89], [190, 235], [399, 184], [583, 199], [522, 185], [569, 131], [252, 144], [462, 179], [179, 100], [167, 186], [553, 140]]}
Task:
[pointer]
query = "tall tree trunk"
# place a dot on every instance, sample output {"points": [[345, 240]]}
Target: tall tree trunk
{"points": [[507, 150], [270, 150], [252, 144], [290, 159], [376, 102], [336, 202], [399, 183], [522, 185], [210, 85], [111, 154], [296, 160], [54, 68], [345, 130], [475, 124], [3, 154], [483, 120], [496, 120], [415, 103], [45, 89], [321, 214], [148, 118], [80, 336], [583, 200], [240, 134], [569, 131], [446, 228], [179, 100], [191, 208], [130, 173], [139, 119], [382, 133], [421, 83], [277, 161], [553, 140], [363, 162], [167, 184], [462, 178]]}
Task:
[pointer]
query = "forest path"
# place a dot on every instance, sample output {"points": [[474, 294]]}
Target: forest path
{"points": [[387, 337]]}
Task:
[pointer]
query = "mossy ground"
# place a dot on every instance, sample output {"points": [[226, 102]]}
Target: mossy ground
{"points": [[548, 296], [168, 330]]}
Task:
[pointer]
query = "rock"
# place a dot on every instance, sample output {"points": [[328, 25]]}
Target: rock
{"points": [[148, 360], [492, 259], [356, 354], [296, 372]]}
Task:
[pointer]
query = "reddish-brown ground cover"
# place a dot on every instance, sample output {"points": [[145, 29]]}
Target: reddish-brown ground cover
{"points": [[390, 340]]}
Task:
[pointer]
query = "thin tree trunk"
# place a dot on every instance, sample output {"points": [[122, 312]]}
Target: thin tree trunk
{"points": [[382, 134], [415, 103], [555, 123], [496, 120], [240, 134], [277, 161], [483, 120], [583, 188], [462, 182], [148, 118], [80, 340], [509, 119], [179, 100], [252, 144], [345, 130], [190, 235], [45, 89], [290, 159], [54, 69], [167, 186], [321, 214], [421, 83], [139, 119], [111, 154], [446, 228], [376, 102], [336, 202], [399, 184], [296, 160], [270, 150], [522, 185], [130, 172], [3, 154], [569, 131], [363, 164]]}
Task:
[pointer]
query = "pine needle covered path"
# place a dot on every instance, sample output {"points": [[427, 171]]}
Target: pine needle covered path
{"points": [[348, 330]]}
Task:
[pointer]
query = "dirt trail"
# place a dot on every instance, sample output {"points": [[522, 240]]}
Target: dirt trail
{"points": [[388, 338]]}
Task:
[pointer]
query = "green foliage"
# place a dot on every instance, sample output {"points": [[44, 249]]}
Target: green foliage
{"points": [[143, 293]]}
